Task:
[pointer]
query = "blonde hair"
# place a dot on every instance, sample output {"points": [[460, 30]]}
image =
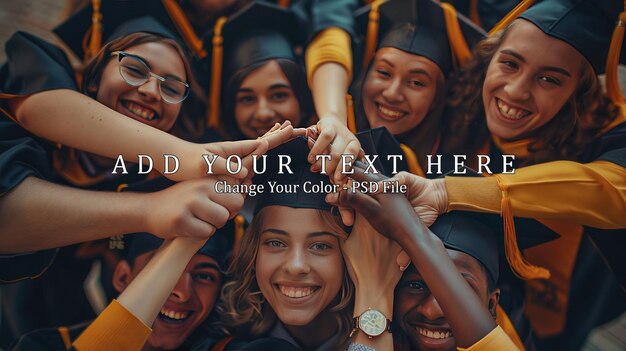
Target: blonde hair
{"points": [[243, 308]]}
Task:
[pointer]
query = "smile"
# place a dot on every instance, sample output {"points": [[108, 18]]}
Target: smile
{"points": [[174, 316], [297, 292], [139, 110], [432, 334], [510, 112], [389, 113]]}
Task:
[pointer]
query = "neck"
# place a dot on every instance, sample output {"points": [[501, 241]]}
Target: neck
{"points": [[324, 327]]}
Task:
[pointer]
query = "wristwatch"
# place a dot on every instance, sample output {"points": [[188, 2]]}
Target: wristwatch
{"points": [[372, 322]]}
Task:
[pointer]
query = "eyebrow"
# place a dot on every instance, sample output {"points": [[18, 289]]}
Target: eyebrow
{"points": [[545, 68], [207, 265], [279, 86], [309, 235], [420, 71]]}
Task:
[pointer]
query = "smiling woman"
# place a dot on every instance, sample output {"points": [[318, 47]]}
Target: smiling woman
{"points": [[289, 278]]}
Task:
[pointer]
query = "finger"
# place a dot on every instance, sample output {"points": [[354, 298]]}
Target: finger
{"points": [[360, 175], [222, 166], [297, 132], [347, 216], [353, 148], [403, 260], [248, 160], [195, 228], [210, 212], [278, 137], [332, 199], [362, 203], [321, 144]]}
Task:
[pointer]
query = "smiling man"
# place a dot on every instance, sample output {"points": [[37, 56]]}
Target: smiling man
{"points": [[188, 307]]}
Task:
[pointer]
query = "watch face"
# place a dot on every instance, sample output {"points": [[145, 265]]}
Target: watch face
{"points": [[372, 322]]}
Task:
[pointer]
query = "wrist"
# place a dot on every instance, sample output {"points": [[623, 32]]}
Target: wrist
{"points": [[370, 299]]}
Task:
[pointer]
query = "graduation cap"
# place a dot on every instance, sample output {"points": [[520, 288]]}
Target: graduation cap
{"points": [[379, 141], [220, 246], [481, 236], [297, 150], [256, 33], [84, 31], [585, 25], [423, 27]]}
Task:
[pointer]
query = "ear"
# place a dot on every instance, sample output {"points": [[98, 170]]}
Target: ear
{"points": [[493, 302], [122, 276]]}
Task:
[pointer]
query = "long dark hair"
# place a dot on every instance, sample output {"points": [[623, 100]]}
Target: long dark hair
{"points": [[583, 117], [296, 77]]}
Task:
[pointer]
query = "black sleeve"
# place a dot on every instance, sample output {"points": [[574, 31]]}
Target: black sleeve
{"points": [[34, 65], [318, 15], [14, 268], [48, 339]]}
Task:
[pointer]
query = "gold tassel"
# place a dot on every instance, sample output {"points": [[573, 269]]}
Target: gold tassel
{"points": [[350, 112], [372, 32], [184, 28], [411, 160], [458, 45], [95, 32], [239, 231], [520, 267], [517, 10], [474, 16], [284, 3], [121, 187], [612, 83], [216, 74]]}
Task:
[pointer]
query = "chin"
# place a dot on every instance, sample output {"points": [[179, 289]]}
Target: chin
{"points": [[294, 318]]}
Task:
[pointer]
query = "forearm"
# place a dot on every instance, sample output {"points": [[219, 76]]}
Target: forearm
{"points": [[329, 86], [75, 120], [39, 215], [467, 314], [147, 293], [592, 194]]}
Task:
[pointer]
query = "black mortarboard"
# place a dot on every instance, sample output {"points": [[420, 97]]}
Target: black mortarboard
{"points": [[481, 236], [379, 141], [419, 27], [297, 150], [167, 20], [256, 33], [220, 246], [585, 25]]}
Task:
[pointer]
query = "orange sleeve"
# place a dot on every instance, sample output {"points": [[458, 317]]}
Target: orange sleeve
{"points": [[592, 194], [330, 45], [496, 340], [114, 329]]}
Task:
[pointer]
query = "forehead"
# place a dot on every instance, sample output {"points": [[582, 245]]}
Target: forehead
{"points": [[265, 76], [296, 222], [464, 263], [162, 58], [406, 61], [540, 49], [201, 260]]}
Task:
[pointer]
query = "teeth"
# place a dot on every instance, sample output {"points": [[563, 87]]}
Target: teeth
{"points": [[433, 334], [173, 314], [389, 113], [295, 292], [511, 112], [140, 111]]}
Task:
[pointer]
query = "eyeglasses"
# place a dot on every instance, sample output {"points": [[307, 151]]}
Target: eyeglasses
{"points": [[136, 72]]}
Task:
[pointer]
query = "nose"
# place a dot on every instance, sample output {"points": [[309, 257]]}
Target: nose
{"points": [[393, 91], [430, 308], [264, 111], [150, 89], [297, 263], [518, 88], [182, 290]]}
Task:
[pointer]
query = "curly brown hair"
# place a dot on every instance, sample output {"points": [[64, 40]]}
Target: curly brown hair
{"points": [[583, 117], [189, 124], [243, 308]]}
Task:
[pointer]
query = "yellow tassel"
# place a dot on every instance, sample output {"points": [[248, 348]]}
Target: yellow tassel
{"points": [[95, 40], [372, 32], [520, 267], [350, 111], [184, 27], [284, 3], [612, 83], [121, 187], [458, 45], [474, 16], [239, 231], [517, 10], [411, 160], [216, 74]]}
